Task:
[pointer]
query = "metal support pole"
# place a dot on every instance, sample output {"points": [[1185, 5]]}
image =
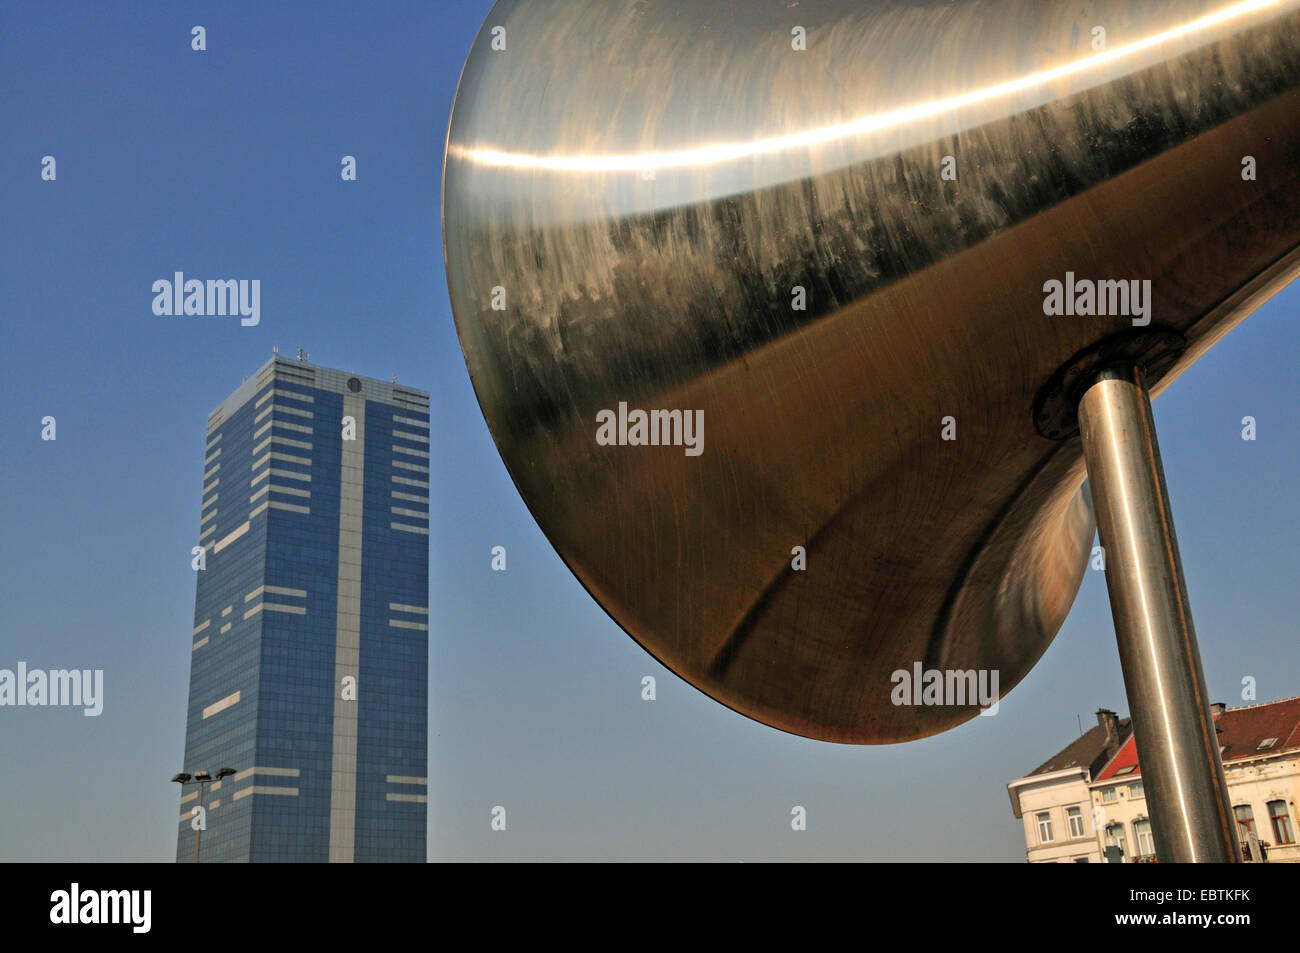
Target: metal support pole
{"points": [[1177, 747], [202, 819]]}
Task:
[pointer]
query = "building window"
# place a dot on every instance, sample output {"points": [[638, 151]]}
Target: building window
{"points": [[1146, 844], [1281, 822], [1044, 828], [1245, 820], [1115, 832], [1074, 817], [1108, 796], [1136, 790]]}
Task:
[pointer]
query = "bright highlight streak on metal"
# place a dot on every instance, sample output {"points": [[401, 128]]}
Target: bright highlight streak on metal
{"points": [[712, 155]]}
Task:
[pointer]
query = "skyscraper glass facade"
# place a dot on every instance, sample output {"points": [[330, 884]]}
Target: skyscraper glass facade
{"points": [[309, 672]]}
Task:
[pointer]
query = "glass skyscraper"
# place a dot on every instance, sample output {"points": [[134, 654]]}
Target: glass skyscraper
{"points": [[309, 672]]}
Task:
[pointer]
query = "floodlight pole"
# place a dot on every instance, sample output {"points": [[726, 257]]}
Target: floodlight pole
{"points": [[1178, 750], [200, 778], [198, 831]]}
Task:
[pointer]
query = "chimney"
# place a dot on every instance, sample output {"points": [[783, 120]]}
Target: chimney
{"points": [[1108, 721], [1217, 709]]}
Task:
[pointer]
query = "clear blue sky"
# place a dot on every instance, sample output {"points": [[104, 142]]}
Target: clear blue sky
{"points": [[226, 164]]}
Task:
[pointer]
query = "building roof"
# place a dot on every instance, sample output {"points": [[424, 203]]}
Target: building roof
{"points": [[1241, 732], [1088, 750], [1126, 761]]}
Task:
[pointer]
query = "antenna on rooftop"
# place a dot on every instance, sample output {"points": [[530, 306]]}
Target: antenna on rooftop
{"points": [[302, 354]]}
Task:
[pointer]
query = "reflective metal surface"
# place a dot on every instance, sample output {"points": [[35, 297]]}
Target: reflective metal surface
{"points": [[1182, 773], [634, 190]]}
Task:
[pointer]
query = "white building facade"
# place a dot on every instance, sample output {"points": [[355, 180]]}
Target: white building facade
{"points": [[1260, 748]]}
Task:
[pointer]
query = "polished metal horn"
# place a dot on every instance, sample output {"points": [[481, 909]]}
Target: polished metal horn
{"points": [[785, 319]]}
